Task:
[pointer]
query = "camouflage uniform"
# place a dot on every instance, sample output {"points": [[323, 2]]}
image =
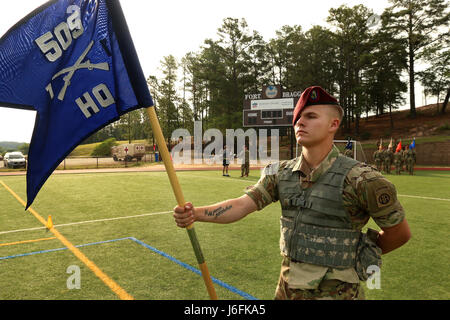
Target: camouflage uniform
{"points": [[366, 194], [377, 157], [404, 151], [398, 162], [348, 153], [410, 159], [388, 157], [245, 166]]}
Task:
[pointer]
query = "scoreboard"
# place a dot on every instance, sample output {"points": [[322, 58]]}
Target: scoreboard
{"points": [[272, 107]]}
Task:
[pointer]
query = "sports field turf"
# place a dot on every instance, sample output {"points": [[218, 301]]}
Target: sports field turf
{"points": [[122, 223]]}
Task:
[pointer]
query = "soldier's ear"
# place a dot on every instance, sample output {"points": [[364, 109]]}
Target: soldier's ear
{"points": [[334, 124]]}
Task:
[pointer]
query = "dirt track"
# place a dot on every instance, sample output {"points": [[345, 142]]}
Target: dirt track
{"points": [[161, 168], [150, 168]]}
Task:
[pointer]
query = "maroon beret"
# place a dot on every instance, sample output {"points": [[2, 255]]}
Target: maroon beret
{"points": [[312, 96]]}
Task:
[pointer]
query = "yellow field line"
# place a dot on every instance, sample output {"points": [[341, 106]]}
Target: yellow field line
{"points": [[25, 241], [121, 293]]}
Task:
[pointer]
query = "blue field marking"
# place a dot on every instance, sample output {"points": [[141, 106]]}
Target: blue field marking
{"points": [[165, 255], [184, 265], [60, 249]]}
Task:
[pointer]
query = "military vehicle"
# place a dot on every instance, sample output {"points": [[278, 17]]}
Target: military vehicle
{"points": [[128, 151]]}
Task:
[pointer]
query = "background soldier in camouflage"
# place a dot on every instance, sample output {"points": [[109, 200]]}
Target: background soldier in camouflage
{"points": [[353, 191], [245, 166], [404, 152], [348, 153], [398, 162], [410, 160], [377, 157], [388, 158]]}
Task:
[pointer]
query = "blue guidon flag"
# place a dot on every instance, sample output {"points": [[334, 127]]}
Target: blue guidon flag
{"points": [[74, 63], [349, 144]]}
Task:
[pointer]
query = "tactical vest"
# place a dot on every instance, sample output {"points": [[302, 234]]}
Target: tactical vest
{"points": [[315, 227]]}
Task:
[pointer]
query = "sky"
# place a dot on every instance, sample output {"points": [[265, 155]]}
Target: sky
{"points": [[161, 28]]}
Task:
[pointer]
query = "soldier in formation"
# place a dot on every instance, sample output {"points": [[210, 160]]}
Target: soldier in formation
{"points": [[404, 151], [388, 158], [410, 160], [398, 162], [325, 254], [378, 157]]}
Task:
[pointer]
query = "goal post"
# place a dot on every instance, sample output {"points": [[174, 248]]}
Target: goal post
{"points": [[357, 149]]}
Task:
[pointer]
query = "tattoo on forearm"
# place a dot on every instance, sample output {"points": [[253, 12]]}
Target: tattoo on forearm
{"points": [[217, 212]]}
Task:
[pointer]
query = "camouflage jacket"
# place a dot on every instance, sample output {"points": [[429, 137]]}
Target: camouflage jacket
{"points": [[348, 153], [388, 156], [366, 194], [377, 155], [246, 157], [410, 155], [397, 158]]}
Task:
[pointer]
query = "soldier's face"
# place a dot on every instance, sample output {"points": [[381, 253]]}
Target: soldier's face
{"points": [[316, 124]]}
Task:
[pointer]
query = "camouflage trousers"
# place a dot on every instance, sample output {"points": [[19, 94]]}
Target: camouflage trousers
{"points": [[398, 167], [378, 164], [410, 167], [327, 290], [245, 169], [387, 167]]}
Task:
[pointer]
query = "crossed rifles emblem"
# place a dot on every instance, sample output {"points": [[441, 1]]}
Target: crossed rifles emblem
{"points": [[79, 64]]}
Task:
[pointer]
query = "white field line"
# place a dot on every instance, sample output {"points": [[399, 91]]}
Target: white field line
{"points": [[166, 212], [426, 198], [89, 221], [247, 181]]}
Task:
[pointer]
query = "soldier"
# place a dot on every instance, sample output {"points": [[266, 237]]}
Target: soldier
{"points": [[378, 157], [404, 152], [245, 166], [388, 158], [410, 160], [325, 254], [398, 162], [348, 153]]}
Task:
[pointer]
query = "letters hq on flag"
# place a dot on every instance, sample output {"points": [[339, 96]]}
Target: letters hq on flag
{"points": [[73, 61]]}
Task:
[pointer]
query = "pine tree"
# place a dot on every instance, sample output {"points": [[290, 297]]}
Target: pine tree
{"points": [[419, 24]]}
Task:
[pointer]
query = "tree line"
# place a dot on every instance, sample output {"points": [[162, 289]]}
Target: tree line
{"points": [[368, 61]]}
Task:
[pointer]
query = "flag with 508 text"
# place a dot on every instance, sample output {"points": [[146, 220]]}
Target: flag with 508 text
{"points": [[74, 63]]}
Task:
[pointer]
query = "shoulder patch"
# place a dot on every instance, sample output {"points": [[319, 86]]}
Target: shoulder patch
{"points": [[384, 198], [383, 193]]}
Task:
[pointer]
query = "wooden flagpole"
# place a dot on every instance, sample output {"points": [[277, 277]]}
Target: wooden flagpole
{"points": [[164, 152]]}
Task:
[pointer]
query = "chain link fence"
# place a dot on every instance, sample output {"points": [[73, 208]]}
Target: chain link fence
{"points": [[101, 162]]}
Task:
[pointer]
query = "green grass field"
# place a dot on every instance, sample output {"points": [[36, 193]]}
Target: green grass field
{"points": [[244, 255]]}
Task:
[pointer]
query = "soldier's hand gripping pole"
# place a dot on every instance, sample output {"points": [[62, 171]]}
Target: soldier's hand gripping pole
{"points": [[164, 152]]}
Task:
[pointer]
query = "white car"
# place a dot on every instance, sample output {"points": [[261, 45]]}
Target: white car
{"points": [[14, 160]]}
